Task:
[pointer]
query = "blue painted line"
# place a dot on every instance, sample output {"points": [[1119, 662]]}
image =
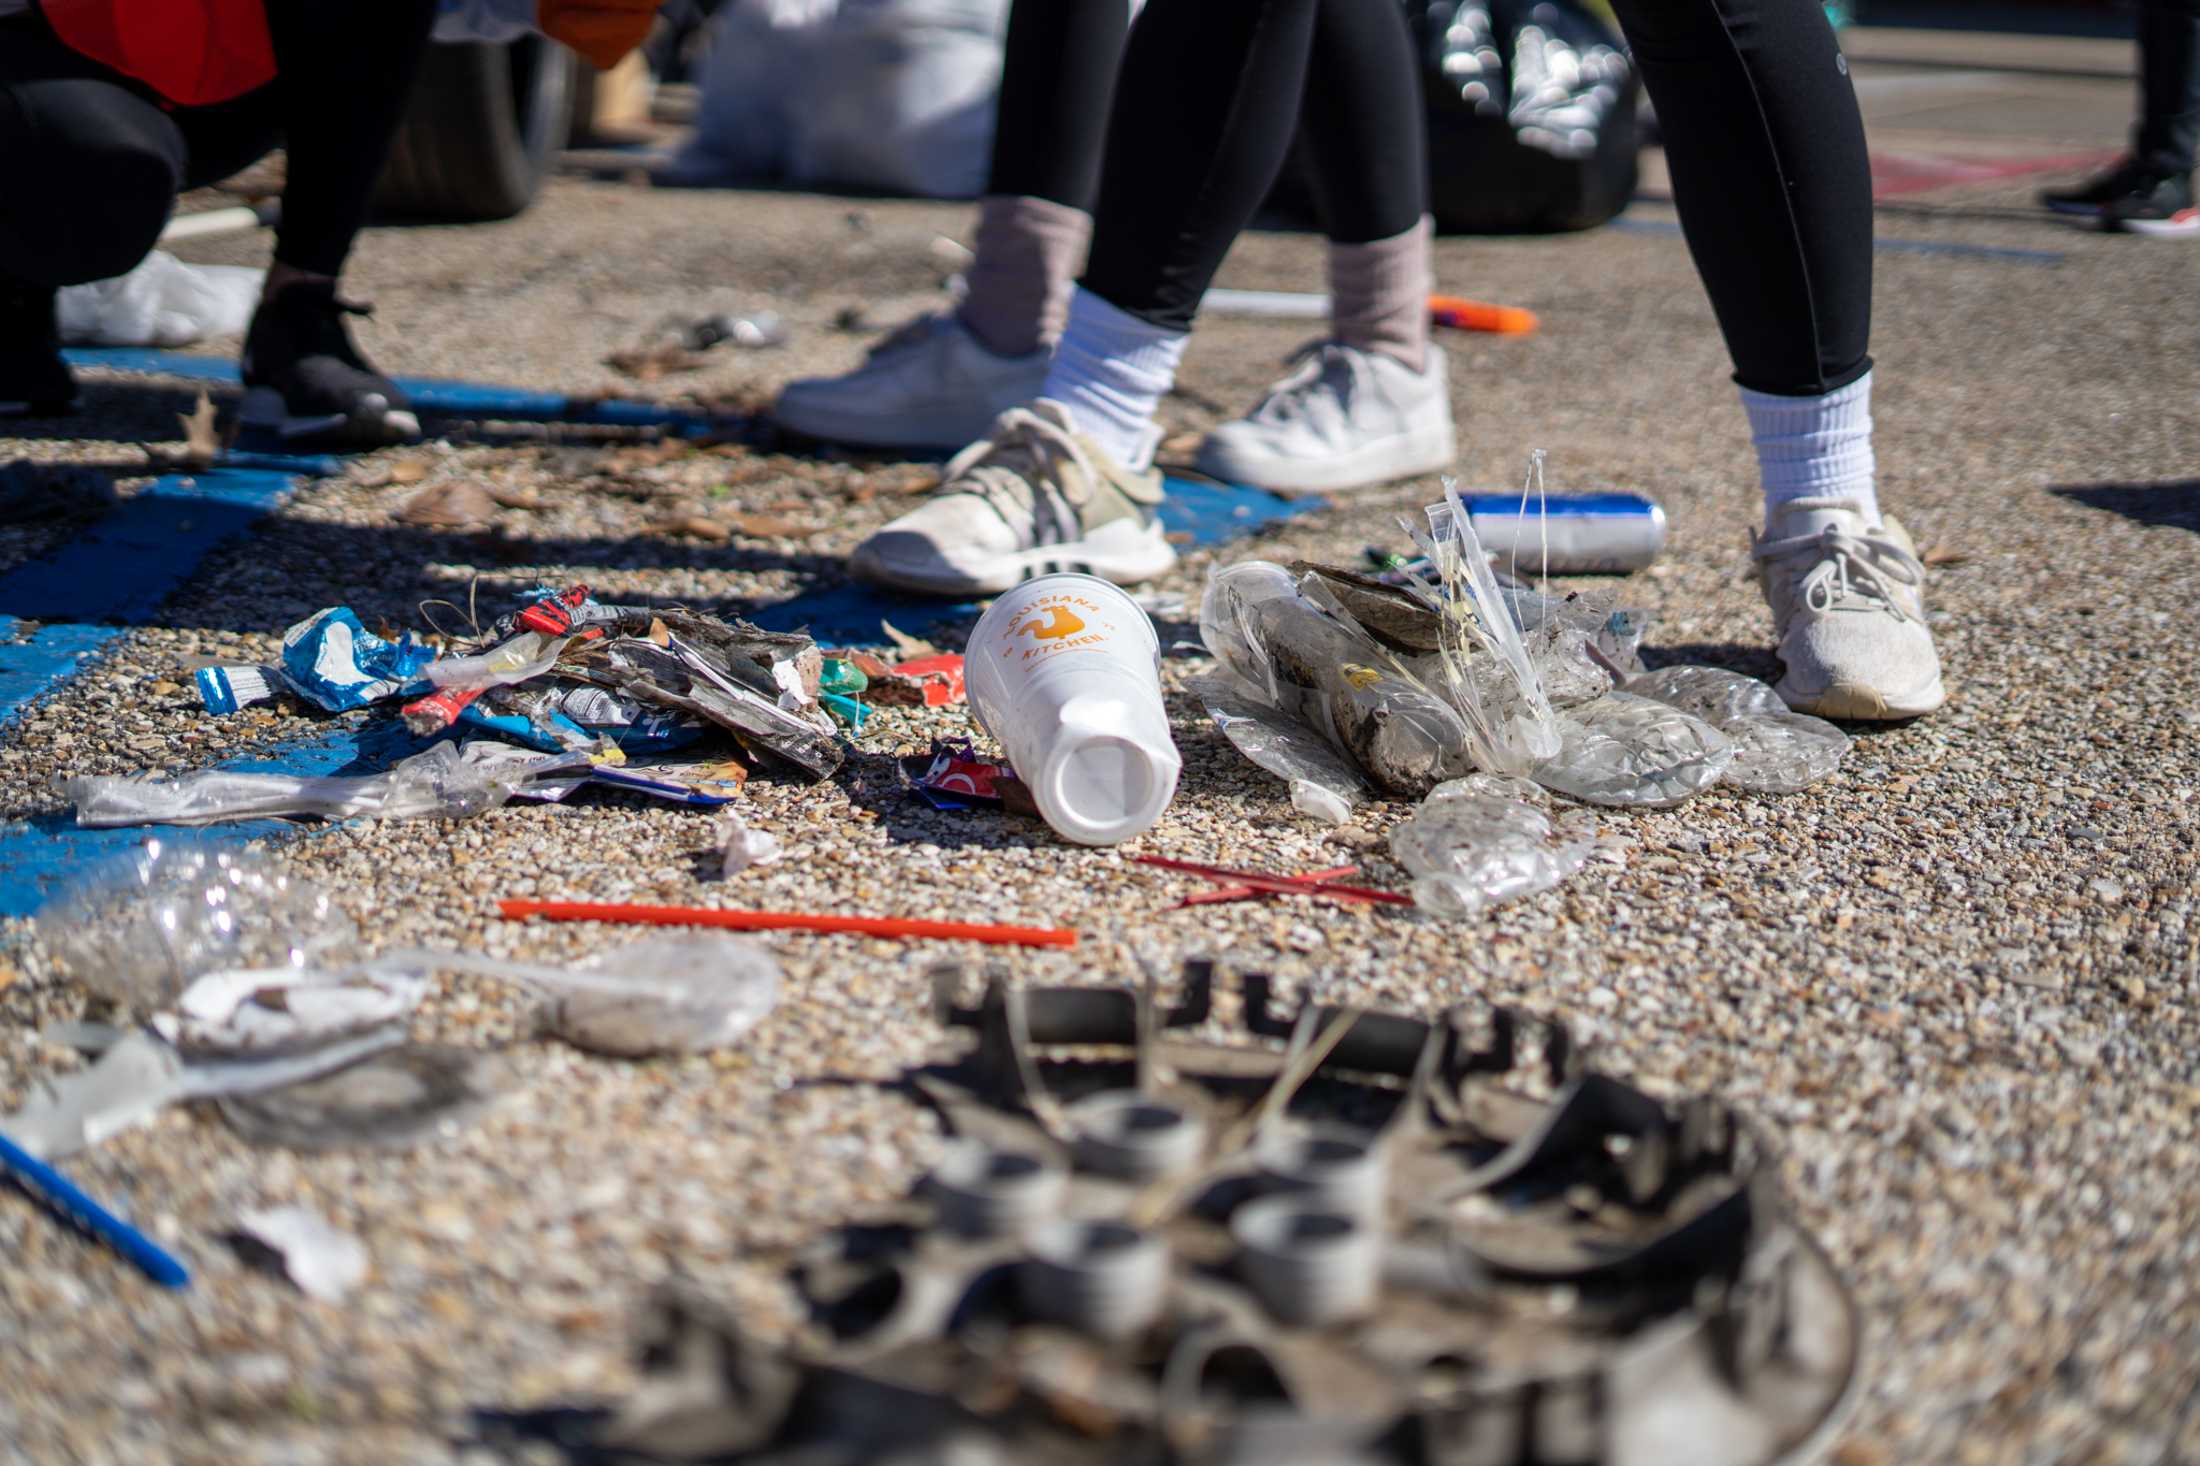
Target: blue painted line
{"points": [[38, 856], [56, 611], [1950, 248], [433, 397]]}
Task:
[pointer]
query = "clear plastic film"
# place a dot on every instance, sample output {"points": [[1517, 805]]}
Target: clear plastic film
{"points": [[1482, 840], [1323, 784], [441, 782], [1776, 750]]}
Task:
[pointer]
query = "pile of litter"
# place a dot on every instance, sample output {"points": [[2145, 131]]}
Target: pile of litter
{"points": [[1475, 695]]}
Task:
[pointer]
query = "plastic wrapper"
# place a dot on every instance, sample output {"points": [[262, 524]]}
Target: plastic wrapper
{"points": [[1776, 750], [1628, 750], [1323, 784], [684, 993], [1511, 724], [333, 660], [139, 929], [729, 690], [133, 1081], [521, 659], [1482, 840], [440, 782], [325, 1263]]}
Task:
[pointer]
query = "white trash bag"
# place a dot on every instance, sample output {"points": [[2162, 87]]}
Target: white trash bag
{"points": [[163, 302]]}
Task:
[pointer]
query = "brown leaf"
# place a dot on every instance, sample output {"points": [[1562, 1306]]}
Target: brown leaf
{"points": [[910, 647], [648, 363], [1942, 554], [409, 471], [453, 504], [771, 527], [696, 525], [510, 498]]}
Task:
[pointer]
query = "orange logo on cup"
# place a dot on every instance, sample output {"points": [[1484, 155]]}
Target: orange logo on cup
{"points": [[1060, 622]]}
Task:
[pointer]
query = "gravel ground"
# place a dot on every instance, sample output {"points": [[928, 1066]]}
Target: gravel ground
{"points": [[1958, 980]]}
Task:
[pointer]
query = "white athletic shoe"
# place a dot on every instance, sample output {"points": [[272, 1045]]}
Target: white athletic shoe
{"points": [[929, 385], [1344, 420], [1032, 497], [1848, 603]]}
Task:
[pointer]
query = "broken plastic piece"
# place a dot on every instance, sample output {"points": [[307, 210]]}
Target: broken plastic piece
{"points": [[740, 847], [1628, 750], [325, 1263], [1323, 784], [387, 1100], [1776, 750], [132, 1082], [1479, 841], [139, 929]]}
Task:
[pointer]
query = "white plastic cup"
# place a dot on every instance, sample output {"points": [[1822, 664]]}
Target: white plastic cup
{"points": [[1065, 671]]}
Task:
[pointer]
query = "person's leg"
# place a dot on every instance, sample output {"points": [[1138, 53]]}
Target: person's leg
{"points": [[1373, 403], [2169, 85], [1765, 144], [344, 73], [96, 166], [942, 380]]}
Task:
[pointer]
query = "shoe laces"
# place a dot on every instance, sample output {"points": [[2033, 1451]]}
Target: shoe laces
{"points": [[1016, 470], [1317, 365], [1848, 567]]}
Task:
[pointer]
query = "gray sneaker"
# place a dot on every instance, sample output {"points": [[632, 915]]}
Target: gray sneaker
{"points": [[1848, 605]]}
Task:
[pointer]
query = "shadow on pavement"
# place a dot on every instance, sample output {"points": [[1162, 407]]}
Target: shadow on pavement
{"points": [[2176, 503]]}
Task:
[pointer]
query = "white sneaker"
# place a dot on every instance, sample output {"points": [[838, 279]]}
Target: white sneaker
{"points": [[1848, 604], [929, 385], [1033, 497], [1344, 420]]}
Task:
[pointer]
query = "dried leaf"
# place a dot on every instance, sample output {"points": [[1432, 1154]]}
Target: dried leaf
{"points": [[454, 504], [511, 498], [1943, 554], [910, 647], [771, 527], [648, 363], [696, 526], [199, 438], [410, 471]]}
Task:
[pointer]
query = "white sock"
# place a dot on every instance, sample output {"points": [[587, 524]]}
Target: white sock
{"points": [[1815, 447], [1110, 370]]}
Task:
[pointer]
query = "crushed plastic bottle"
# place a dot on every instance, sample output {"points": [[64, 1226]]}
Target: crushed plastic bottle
{"points": [[442, 781], [139, 929], [1482, 840], [1628, 750], [1776, 750], [1323, 784], [250, 1011]]}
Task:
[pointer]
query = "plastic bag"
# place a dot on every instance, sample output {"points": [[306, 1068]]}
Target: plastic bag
{"points": [[894, 96], [1628, 750], [440, 782], [1776, 750], [137, 930], [163, 302], [1481, 840]]}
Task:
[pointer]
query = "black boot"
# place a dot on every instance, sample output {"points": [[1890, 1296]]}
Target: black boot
{"points": [[307, 380], [34, 380]]}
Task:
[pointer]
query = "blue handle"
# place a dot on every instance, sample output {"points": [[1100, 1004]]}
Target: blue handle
{"points": [[57, 1192]]}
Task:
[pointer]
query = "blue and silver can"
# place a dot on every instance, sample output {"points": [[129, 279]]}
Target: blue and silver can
{"points": [[1586, 534]]}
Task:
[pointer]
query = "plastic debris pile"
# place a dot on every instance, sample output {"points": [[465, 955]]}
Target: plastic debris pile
{"points": [[563, 691], [1337, 1235], [1346, 685]]}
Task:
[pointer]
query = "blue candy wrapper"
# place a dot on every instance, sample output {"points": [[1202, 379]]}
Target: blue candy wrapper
{"points": [[333, 660]]}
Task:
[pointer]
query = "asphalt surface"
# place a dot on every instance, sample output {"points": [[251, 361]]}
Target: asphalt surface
{"points": [[1958, 981]]}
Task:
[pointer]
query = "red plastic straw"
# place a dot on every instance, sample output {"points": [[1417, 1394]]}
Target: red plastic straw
{"points": [[1281, 885], [754, 921], [1241, 892]]}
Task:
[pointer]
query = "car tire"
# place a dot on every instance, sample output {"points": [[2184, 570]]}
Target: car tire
{"points": [[485, 124]]}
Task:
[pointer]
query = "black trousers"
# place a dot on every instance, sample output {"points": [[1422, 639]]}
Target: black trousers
{"points": [[2169, 85], [1762, 135], [1346, 66], [91, 161]]}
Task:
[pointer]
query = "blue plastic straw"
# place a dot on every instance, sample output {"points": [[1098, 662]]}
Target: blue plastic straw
{"points": [[59, 1195]]}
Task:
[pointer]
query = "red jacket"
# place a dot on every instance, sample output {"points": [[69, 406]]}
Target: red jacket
{"points": [[193, 52]]}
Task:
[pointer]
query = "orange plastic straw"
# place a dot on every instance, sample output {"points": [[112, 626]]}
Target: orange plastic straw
{"points": [[1474, 315], [752, 921]]}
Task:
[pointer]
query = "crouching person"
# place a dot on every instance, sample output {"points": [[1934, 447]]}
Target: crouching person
{"points": [[110, 108]]}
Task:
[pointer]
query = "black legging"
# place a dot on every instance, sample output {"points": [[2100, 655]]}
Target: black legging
{"points": [[1350, 62], [91, 162], [2169, 85], [1762, 135]]}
